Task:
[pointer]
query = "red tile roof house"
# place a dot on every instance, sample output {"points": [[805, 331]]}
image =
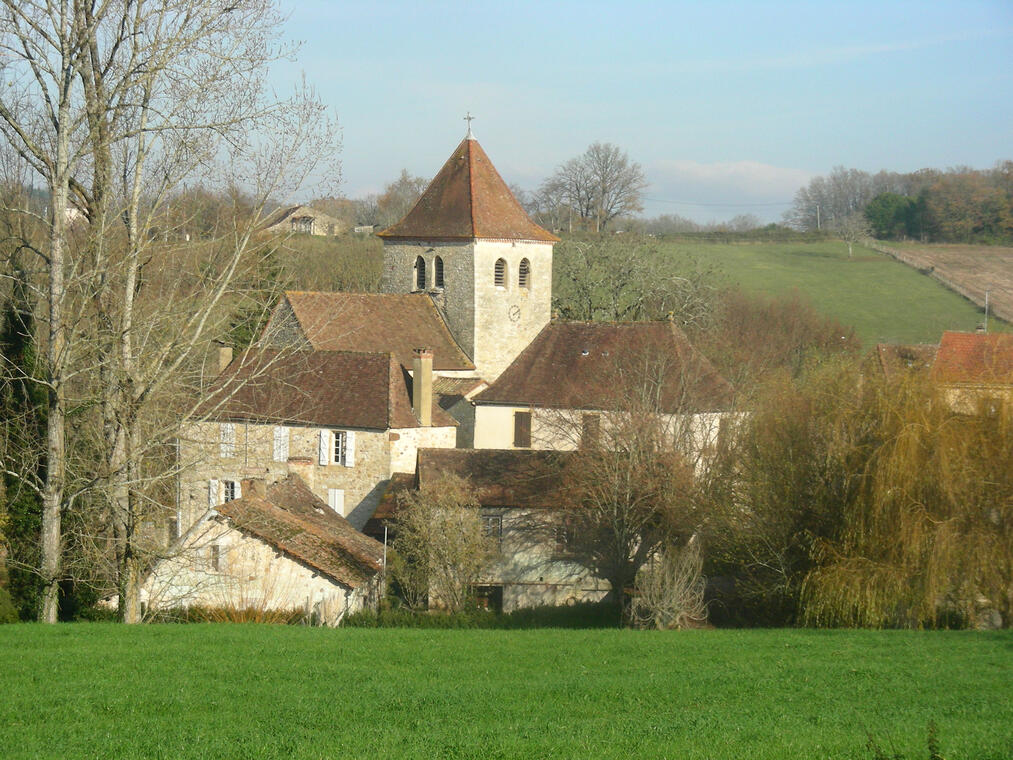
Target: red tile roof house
{"points": [[343, 421], [521, 496], [277, 548], [975, 371]]}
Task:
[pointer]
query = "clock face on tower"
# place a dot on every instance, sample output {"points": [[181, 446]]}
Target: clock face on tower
{"points": [[514, 313]]}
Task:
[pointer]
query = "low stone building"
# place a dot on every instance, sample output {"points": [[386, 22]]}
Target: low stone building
{"points": [[277, 548], [975, 371], [343, 421], [523, 507]]}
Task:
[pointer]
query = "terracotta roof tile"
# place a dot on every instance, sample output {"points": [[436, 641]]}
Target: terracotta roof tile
{"points": [[375, 322], [291, 519], [974, 358], [585, 365], [326, 388], [468, 200], [501, 478]]}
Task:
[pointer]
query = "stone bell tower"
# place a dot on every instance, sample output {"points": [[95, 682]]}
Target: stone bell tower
{"points": [[469, 244]]}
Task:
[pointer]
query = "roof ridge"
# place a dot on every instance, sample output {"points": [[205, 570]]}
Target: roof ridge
{"points": [[471, 181]]}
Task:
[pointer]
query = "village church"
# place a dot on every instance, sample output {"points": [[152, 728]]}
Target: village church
{"points": [[314, 428]]}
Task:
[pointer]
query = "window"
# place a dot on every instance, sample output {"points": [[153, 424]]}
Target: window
{"points": [[281, 444], [227, 440], [564, 537], [337, 447], [340, 440], [590, 431], [438, 272], [492, 527], [500, 274], [522, 430], [524, 274], [420, 273], [230, 490], [336, 500]]}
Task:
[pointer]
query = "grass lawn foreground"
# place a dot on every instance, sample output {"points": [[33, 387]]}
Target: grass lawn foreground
{"points": [[181, 691]]}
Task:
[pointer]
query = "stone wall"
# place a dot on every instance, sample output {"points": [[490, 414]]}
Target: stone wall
{"points": [[508, 317], [377, 455]]}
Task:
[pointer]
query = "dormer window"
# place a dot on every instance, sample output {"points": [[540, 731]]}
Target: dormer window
{"points": [[500, 274], [438, 272], [524, 274], [420, 273]]}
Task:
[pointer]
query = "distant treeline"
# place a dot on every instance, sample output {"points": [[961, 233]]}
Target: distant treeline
{"points": [[959, 205]]}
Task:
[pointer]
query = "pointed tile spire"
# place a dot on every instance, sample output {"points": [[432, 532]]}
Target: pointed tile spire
{"points": [[467, 200]]}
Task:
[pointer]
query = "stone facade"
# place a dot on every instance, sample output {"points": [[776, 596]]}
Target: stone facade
{"points": [[492, 322], [220, 567], [375, 454]]}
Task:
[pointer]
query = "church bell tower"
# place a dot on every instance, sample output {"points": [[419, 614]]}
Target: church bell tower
{"points": [[469, 244]]}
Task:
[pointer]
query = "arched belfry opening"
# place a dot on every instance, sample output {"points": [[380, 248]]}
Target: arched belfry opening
{"points": [[420, 273], [438, 272], [524, 274]]}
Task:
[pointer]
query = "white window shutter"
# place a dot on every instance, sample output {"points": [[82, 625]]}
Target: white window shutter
{"points": [[239, 489], [350, 448], [336, 500], [325, 447], [281, 444], [212, 494]]}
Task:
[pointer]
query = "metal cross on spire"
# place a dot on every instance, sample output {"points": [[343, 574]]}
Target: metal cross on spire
{"points": [[469, 118]]}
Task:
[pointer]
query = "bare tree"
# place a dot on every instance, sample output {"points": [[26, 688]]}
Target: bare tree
{"points": [[440, 544], [852, 229], [599, 185], [150, 95]]}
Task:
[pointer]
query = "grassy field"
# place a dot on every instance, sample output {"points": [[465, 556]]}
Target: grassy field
{"points": [[182, 691], [883, 299]]}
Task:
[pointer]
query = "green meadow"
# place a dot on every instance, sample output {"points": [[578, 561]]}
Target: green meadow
{"points": [[883, 299], [196, 691]]}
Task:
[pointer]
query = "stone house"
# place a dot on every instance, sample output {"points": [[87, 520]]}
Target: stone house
{"points": [[523, 506], [303, 220], [975, 371], [277, 548], [576, 378], [343, 421]]}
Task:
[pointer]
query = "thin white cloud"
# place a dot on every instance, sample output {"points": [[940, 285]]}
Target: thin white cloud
{"points": [[721, 189]]}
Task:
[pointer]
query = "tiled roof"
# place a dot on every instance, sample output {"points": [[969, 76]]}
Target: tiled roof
{"points": [[985, 358], [376, 322], [897, 359], [326, 388], [290, 518], [501, 478], [456, 386], [467, 200], [595, 365], [288, 213]]}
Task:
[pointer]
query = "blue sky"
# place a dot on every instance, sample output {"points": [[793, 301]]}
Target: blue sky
{"points": [[729, 107]]}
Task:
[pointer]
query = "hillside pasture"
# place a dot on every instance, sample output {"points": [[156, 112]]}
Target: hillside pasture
{"points": [[188, 691], [883, 299]]}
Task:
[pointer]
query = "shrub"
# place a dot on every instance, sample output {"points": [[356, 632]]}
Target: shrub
{"points": [[8, 613]]}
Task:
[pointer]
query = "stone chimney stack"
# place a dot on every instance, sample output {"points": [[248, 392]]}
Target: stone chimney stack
{"points": [[254, 487], [422, 386], [224, 357], [303, 467]]}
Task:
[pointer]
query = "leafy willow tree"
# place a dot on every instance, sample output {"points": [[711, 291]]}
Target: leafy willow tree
{"points": [[116, 107], [927, 539]]}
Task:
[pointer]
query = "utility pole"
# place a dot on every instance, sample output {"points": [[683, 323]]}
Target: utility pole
{"points": [[818, 226], [986, 309]]}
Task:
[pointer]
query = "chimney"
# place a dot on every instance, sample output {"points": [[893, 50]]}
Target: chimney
{"points": [[224, 357], [422, 386], [303, 467], [254, 487]]}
